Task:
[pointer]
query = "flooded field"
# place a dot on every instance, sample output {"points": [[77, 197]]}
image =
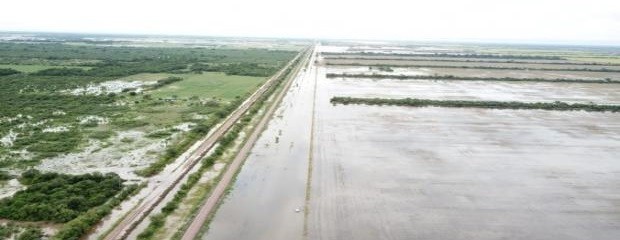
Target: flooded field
{"points": [[434, 173], [438, 173], [387, 172], [477, 90], [461, 72]]}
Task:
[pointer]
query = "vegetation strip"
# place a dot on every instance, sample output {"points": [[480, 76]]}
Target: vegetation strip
{"points": [[459, 78], [468, 60], [475, 67], [415, 102], [79, 226], [452, 55]]}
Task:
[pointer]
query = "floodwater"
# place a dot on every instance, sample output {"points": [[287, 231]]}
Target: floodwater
{"points": [[388, 172], [268, 196], [477, 90]]}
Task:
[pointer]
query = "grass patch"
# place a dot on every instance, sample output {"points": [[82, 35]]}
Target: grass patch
{"points": [[210, 85], [102, 135]]}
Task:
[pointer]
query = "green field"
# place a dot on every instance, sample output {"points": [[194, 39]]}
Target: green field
{"points": [[35, 68], [210, 85]]}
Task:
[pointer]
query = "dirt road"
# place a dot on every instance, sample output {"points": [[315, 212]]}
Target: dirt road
{"points": [[211, 204], [154, 199]]}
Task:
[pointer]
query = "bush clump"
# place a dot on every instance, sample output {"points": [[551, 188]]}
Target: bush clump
{"points": [[58, 197]]}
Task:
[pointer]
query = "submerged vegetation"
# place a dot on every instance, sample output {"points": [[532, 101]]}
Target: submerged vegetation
{"points": [[414, 102], [462, 78]]}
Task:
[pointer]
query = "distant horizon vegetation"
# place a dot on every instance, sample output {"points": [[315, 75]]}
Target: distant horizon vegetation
{"points": [[511, 42]]}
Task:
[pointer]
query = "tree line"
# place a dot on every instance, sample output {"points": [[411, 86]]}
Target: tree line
{"points": [[474, 67], [462, 78], [415, 102], [466, 60], [453, 55], [8, 71]]}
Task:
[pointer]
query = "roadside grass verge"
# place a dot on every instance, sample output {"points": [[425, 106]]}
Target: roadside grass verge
{"points": [[414, 102]]}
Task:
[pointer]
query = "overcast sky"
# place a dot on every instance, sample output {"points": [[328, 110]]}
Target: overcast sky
{"points": [[560, 21]]}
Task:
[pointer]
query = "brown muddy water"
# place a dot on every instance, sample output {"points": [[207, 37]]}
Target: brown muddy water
{"points": [[389, 172]]}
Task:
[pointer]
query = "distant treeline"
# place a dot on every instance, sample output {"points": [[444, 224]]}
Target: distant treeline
{"points": [[241, 69], [459, 78], [475, 67], [467, 60], [453, 55], [124, 60], [8, 71], [414, 102], [114, 69]]}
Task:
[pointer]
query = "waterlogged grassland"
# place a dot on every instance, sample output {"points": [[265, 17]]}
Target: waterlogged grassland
{"points": [[64, 113], [146, 77]]}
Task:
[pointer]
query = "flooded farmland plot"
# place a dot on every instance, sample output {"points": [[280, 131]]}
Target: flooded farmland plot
{"points": [[394, 172], [384, 172], [390, 172], [477, 90], [462, 72]]}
